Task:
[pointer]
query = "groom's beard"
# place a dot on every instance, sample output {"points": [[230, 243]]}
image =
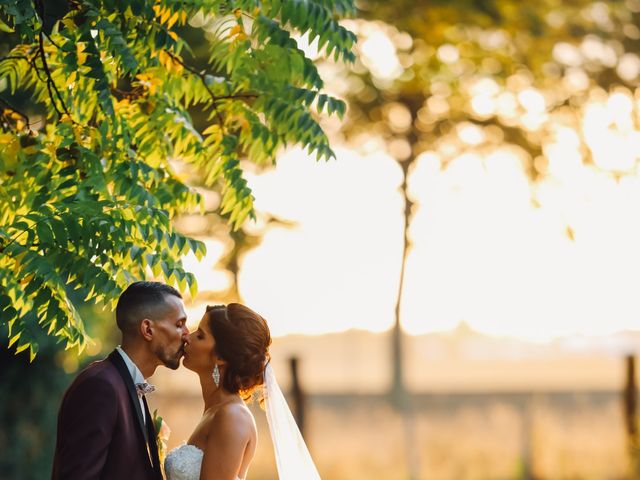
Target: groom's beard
{"points": [[170, 359]]}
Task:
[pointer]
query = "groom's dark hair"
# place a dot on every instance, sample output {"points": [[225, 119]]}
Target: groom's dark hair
{"points": [[142, 300]]}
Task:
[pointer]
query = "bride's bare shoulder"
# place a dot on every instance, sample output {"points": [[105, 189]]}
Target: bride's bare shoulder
{"points": [[233, 417]]}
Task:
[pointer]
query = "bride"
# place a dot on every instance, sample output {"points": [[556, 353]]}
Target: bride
{"points": [[230, 353]]}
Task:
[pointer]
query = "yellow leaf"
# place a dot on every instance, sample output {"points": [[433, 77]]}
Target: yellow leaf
{"points": [[169, 62], [14, 339], [71, 79], [149, 81], [77, 132], [69, 23], [52, 326], [212, 129], [570, 233], [165, 15], [171, 22], [50, 149], [121, 104], [82, 57], [163, 58]]}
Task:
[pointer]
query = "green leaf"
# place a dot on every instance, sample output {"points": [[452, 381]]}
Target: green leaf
{"points": [[45, 235], [60, 232]]}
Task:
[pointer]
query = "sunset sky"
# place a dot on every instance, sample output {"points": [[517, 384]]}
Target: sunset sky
{"points": [[508, 256], [483, 252]]}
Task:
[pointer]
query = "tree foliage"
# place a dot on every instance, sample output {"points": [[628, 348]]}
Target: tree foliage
{"points": [[516, 73], [89, 177]]}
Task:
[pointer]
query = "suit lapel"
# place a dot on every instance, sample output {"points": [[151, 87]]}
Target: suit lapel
{"points": [[118, 362], [151, 434]]}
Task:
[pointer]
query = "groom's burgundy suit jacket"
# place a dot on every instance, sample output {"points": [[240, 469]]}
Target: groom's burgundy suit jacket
{"points": [[101, 432]]}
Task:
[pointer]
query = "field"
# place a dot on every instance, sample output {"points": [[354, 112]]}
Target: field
{"points": [[487, 409], [559, 435]]}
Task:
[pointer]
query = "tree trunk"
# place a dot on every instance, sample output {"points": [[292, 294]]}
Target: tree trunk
{"points": [[398, 389]]}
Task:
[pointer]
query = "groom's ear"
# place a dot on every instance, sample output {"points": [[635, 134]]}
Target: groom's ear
{"points": [[146, 329]]}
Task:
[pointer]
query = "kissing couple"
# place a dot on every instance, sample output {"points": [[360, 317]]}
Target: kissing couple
{"points": [[105, 430]]}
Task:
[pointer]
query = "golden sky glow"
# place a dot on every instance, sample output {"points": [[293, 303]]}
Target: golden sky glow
{"points": [[482, 253], [556, 257]]}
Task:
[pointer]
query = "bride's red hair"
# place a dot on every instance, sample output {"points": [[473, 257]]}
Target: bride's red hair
{"points": [[242, 340]]}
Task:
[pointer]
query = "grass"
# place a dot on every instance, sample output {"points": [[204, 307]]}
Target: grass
{"points": [[476, 436]]}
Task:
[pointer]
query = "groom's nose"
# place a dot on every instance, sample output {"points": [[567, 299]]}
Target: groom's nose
{"points": [[185, 333]]}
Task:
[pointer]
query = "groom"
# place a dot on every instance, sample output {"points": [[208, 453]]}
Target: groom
{"points": [[105, 430]]}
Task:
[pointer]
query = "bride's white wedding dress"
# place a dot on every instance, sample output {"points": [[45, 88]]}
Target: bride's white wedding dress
{"points": [[184, 463], [292, 457]]}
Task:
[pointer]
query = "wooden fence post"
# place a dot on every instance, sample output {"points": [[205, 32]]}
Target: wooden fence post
{"points": [[527, 439], [630, 399], [630, 405], [297, 395]]}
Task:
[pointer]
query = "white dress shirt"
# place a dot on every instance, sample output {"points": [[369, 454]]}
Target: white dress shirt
{"points": [[136, 376]]}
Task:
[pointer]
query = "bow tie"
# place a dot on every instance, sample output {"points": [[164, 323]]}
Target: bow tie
{"points": [[144, 388]]}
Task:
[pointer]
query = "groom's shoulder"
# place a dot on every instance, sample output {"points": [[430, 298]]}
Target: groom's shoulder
{"points": [[97, 372], [96, 384]]}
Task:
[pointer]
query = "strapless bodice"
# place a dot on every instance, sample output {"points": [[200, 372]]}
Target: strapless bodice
{"points": [[184, 463]]}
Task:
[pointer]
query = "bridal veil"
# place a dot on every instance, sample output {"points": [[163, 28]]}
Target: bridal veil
{"points": [[292, 456]]}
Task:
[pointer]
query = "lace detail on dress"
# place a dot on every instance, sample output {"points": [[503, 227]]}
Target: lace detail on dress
{"points": [[184, 463]]}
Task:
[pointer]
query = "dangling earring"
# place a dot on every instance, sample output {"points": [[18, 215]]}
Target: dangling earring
{"points": [[216, 375]]}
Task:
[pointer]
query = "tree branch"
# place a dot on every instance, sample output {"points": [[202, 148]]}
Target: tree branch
{"points": [[51, 86], [202, 77], [52, 42], [238, 95]]}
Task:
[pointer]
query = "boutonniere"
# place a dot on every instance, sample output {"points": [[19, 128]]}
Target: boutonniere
{"points": [[162, 436]]}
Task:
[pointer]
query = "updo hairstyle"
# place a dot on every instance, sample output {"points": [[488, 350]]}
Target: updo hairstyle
{"points": [[242, 340]]}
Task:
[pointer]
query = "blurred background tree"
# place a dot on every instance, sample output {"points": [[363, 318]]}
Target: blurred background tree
{"points": [[437, 83], [496, 77]]}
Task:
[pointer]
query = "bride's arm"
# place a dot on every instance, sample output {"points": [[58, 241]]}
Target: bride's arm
{"points": [[229, 435]]}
